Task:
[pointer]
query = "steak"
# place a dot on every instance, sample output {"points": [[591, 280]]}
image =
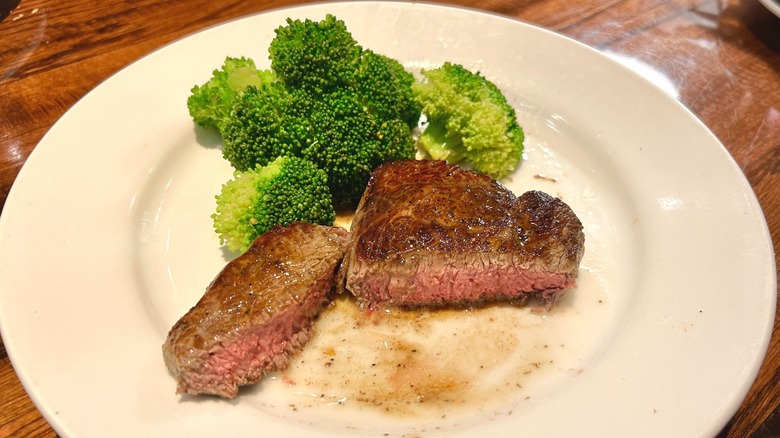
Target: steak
{"points": [[257, 312], [429, 233]]}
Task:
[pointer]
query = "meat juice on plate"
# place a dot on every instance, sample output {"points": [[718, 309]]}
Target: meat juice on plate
{"points": [[424, 363]]}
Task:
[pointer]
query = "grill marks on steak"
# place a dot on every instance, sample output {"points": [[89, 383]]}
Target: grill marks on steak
{"points": [[431, 233], [257, 312]]}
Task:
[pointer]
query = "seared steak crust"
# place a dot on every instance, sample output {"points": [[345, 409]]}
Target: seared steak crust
{"points": [[431, 233], [256, 312]]}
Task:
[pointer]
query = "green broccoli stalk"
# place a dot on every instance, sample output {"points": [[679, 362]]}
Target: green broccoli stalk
{"points": [[470, 120], [287, 190], [342, 107], [210, 104]]}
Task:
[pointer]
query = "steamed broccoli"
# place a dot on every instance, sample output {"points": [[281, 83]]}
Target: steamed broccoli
{"points": [[470, 120], [349, 142], [385, 88], [314, 56], [266, 123], [210, 104], [287, 190], [336, 132], [345, 108]]}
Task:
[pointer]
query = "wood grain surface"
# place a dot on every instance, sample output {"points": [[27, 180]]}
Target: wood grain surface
{"points": [[719, 58]]}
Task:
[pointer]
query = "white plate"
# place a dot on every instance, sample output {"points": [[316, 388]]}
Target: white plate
{"points": [[772, 5], [106, 240]]}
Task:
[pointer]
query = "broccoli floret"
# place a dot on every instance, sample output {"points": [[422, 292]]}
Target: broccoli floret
{"points": [[348, 142], [344, 108], [210, 104], [335, 131], [265, 123], [469, 119], [385, 88], [314, 56], [287, 190]]}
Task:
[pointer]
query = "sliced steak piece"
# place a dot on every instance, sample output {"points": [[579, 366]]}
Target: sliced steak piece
{"points": [[257, 312], [431, 233]]}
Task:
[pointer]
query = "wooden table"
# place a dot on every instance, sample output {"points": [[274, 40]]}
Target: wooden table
{"points": [[723, 57]]}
